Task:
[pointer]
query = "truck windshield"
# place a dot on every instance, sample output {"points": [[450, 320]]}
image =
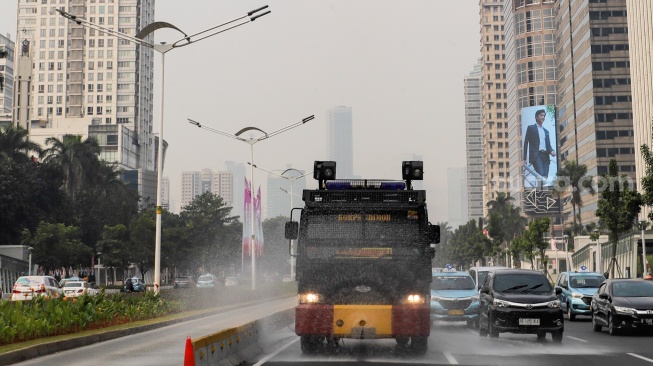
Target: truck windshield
{"points": [[363, 226]]}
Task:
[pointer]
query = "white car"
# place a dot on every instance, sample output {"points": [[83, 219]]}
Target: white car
{"points": [[28, 287], [231, 281], [77, 289]]}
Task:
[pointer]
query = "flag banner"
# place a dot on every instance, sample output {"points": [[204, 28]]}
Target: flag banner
{"points": [[259, 225], [247, 218]]}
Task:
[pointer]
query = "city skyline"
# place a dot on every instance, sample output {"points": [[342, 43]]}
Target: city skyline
{"points": [[304, 58]]}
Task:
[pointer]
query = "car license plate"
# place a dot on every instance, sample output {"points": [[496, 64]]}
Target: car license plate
{"points": [[456, 312], [647, 321], [524, 321]]}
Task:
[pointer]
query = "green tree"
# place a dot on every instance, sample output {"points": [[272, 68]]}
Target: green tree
{"points": [[646, 183], [578, 182], [276, 257], [142, 231], [29, 192], [504, 223], [618, 207], [77, 159], [212, 230], [442, 255], [56, 245], [15, 144], [468, 244], [115, 246]]}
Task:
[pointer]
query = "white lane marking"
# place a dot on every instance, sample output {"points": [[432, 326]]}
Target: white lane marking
{"points": [[452, 361], [577, 339], [640, 357], [276, 353]]}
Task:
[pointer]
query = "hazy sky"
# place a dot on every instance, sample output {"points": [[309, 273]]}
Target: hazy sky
{"points": [[398, 64]]}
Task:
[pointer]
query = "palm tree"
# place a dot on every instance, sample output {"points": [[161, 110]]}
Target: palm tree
{"points": [[106, 178], [78, 160], [505, 220], [577, 173], [15, 144]]}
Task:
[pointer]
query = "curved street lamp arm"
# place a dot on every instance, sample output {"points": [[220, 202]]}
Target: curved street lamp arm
{"points": [[189, 39], [250, 129], [210, 129], [284, 129], [86, 23], [298, 171]]}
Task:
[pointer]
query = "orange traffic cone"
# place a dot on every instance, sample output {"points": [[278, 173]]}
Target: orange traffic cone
{"points": [[189, 355]]}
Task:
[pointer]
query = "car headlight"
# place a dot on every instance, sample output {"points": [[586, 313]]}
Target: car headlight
{"points": [[310, 298], [413, 299], [622, 310], [553, 304], [500, 303], [576, 295]]}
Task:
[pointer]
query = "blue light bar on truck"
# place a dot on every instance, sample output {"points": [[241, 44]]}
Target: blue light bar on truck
{"points": [[334, 185], [393, 186]]}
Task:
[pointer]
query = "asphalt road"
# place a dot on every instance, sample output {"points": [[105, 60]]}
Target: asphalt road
{"points": [[449, 344], [455, 344]]}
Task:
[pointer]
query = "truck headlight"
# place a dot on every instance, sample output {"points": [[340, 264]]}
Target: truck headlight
{"points": [[310, 298], [415, 299]]}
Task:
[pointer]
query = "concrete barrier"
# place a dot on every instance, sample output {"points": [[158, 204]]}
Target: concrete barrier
{"points": [[234, 346]]}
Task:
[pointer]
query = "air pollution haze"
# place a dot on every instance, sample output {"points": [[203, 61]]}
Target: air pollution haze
{"points": [[399, 64]]}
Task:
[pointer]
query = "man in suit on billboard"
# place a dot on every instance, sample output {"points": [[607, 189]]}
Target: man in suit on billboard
{"points": [[537, 145]]}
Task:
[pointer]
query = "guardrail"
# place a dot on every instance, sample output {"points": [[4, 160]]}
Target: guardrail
{"points": [[236, 345]]}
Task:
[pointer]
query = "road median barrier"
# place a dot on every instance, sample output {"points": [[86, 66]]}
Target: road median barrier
{"points": [[234, 346]]}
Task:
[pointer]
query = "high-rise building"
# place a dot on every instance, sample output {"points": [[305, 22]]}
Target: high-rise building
{"points": [[457, 205], [595, 115], [81, 77], [493, 100], [530, 82], [191, 187], [640, 28], [6, 74], [340, 140], [218, 182], [474, 141], [285, 193]]}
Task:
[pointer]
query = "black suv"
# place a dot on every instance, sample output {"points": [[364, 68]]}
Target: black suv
{"points": [[519, 301]]}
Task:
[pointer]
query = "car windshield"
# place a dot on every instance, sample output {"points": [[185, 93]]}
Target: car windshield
{"points": [[481, 277], [632, 289], [26, 281], [586, 281], [74, 284], [205, 278], [522, 283], [452, 283]]}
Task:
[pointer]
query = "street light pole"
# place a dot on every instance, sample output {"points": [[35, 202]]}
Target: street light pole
{"points": [[565, 238], [643, 224], [251, 141], [29, 254], [292, 181], [162, 48]]}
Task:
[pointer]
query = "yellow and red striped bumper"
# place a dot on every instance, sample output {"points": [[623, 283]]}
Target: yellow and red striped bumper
{"points": [[363, 321]]}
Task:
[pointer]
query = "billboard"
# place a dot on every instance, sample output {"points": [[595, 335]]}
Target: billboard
{"points": [[540, 146]]}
